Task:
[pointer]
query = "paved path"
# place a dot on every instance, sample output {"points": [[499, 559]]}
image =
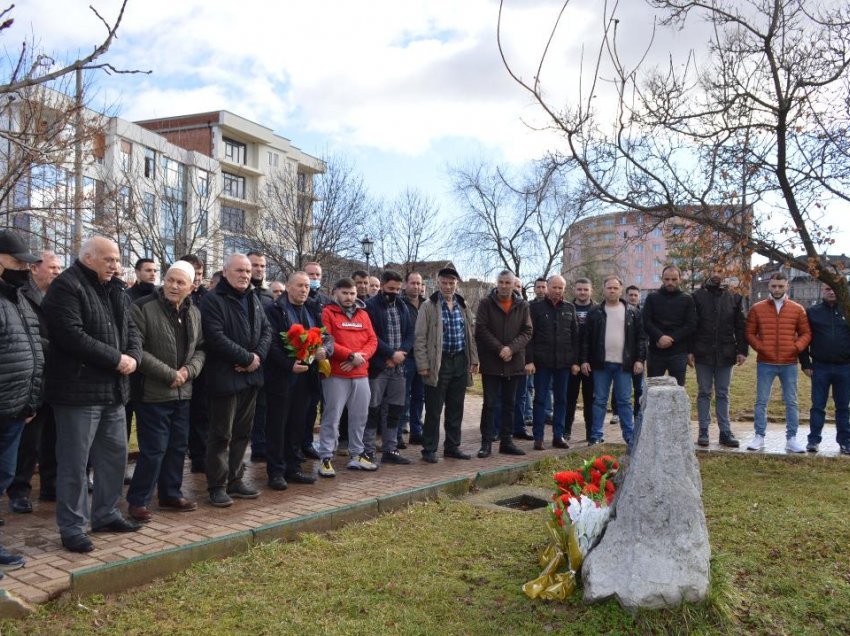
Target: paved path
{"points": [[47, 573]]}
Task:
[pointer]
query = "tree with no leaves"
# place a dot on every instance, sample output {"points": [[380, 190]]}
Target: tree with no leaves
{"points": [[759, 118]]}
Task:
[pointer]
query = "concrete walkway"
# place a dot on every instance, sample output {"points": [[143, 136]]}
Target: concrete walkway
{"points": [[123, 560]]}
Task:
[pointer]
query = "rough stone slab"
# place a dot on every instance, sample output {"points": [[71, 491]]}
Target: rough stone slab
{"points": [[12, 606], [655, 551]]}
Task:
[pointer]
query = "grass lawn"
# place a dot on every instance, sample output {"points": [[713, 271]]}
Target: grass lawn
{"points": [[780, 564]]}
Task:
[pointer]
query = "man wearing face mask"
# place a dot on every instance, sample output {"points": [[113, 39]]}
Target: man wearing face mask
{"points": [[394, 330], [21, 363], [314, 272]]}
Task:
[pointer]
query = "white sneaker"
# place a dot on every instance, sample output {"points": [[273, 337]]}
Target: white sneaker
{"points": [[757, 443], [793, 446], [326, 468], [361, 462]]}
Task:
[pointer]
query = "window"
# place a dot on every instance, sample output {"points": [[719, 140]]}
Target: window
{"points": [[274, 158], [148, 205], [233, 244], [639, 248], [150, 163], [656, 247], [302, 182], [625, 234], [173, 173], [232, 219], [234, 151], [126, 155], [203, 183], [656, 278], [202, 223], [234, 186], [21, 223], [657, 232], [609, 221], [124, 199]]}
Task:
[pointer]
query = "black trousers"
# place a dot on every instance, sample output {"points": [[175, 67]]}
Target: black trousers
{"points": [[583, 383], [199, 422], [231, 418], [285, 413], [449, 394], [498, 390]]}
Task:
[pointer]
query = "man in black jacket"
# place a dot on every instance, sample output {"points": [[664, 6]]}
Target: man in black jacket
{"points": [[94, 347], [719, 343], [613, 345], [290, 385], [552, 356], [38, 441], [146, 271], [669, 317], [394, 331], [583, 303], [21, 363], [237, 338], [827, 362]]}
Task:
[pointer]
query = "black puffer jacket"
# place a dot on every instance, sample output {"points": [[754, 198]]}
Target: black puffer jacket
{"points": [[555, 342], [90, 327], [721, 332], [830, 336], [278, 365], [231, 337], [21, 357], [593, 338]]}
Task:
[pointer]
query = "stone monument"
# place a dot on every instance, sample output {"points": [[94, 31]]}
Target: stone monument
{"points": [[655, 550]]}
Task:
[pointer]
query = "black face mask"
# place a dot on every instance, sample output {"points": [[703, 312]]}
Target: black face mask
{"points": [[390, 297], [15, 277]]}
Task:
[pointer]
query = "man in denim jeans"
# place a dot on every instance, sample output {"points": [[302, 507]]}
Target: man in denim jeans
{"points": [[778, 329], [613, 346], [827, 362]]}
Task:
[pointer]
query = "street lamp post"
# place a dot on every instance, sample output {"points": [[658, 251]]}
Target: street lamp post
{"points": [[367, 243]]}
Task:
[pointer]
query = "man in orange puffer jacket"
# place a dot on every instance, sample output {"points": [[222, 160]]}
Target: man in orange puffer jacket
{"points": [[778, 329]]}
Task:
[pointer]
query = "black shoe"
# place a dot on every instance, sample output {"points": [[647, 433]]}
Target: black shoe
{"points": [[730, 441], [430, 457], [20, 505], [844, 449], [559, 442], [219, 498], [278, 483], [456, 453], [523, 435], [300, 477], [394, 457], [239, 490], [702, 440], [595, 442], [119, 525], [310, 452], [400, 445], [79, 543], [486, 450], [509, 448], [415, 438]]}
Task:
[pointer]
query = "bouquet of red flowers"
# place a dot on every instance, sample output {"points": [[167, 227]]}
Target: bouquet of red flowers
{"points": [[302, 343], [579, 514]]}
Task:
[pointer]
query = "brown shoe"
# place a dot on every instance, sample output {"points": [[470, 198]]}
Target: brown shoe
{"points": [[560, 442], [178, 505], [538, 445], [139, 513]]}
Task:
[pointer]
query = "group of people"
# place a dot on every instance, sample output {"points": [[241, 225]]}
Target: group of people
{"points": [[206, 371]]}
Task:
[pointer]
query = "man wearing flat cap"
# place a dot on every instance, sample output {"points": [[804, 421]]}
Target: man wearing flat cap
{"points": [[21, 363], [170, 327], [446, 358]]}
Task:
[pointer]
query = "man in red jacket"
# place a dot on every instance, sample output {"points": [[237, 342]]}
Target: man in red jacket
{"points": [[778, 329], [355, 342]]}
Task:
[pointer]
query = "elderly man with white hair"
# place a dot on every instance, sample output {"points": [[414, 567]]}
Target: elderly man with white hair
{"points": [[94, 347], [170, 328], [237, 337]]}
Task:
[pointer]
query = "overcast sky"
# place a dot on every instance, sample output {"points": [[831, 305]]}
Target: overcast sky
{"points": [[404, 88]]}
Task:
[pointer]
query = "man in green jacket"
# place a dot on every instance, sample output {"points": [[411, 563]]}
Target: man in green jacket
{"points": [[170, 326]]}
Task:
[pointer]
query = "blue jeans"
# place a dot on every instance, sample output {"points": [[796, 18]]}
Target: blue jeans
{"points": [[10, 437], [545, 377], [622, 380], [719, 378], [162, 429], [837, 376], [765, 375], [415, 398]]}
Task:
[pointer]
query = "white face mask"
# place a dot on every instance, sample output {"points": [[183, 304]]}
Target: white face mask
{"points": [[315, 283]]}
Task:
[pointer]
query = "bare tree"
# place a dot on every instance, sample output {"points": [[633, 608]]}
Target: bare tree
{"points": [[301, 220], [760, 119], [521, 223], [406, 230]]}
